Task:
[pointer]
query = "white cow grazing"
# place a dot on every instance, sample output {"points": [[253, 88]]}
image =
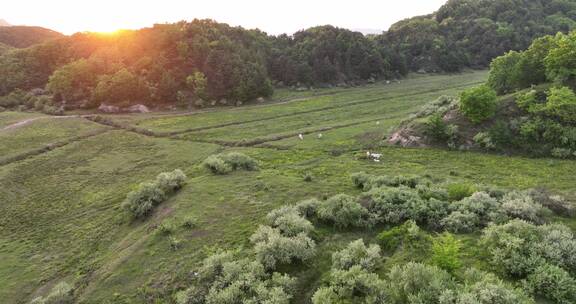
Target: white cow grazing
{"points": [[301, 136], [320, 136]]}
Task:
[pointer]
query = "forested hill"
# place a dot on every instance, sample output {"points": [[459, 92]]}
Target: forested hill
{"points": [[204, 62], [470, 33], [25, 36]]}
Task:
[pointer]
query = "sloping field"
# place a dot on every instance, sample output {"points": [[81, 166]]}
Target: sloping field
{"points": [[60, 215]]}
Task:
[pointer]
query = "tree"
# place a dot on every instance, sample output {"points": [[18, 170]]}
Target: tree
{"points": [[197, 83], [561, 103], [73, 82], [561, 60], [122, 88], [503, 73], [478, 104]]}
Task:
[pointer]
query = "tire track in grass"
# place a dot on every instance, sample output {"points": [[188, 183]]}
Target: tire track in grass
{"points": [[261, 142], [338, 106], [49, 147]]}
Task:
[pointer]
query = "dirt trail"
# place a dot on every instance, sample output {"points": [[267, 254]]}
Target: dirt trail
{"points": [[30, 120]]}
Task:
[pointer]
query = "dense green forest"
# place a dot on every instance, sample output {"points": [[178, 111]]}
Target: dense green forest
{"points": [[527, 106], [203, 62], [470, 33]]}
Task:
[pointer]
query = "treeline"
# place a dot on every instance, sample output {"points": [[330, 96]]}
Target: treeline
{"points": [[203, 62], [470, 33]]}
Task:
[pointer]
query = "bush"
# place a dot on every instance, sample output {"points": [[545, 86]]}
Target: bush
{"points": [[561, 153], [483, 288], [223, 279], [461, 222], [460, 191], [484, 140], [484, 206], [561, 103], [189, 223], [436, 128], [356, 254], [343, 211], [217, 165], [521, 205], [354, 285], [308, 208], [392, 205], [518, 247], [417, 283], [226, 163], [60, 294], [405, 234], [552, 282], [289, 221], [478, 104], [142, 201], [446, 253], [273, 248]]}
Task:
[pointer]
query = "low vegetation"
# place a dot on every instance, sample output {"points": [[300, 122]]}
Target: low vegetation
{"points": [[226, 163], [147, 196]]}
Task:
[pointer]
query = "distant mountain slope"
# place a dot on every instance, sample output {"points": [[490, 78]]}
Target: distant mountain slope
{"points": [[4, 23], [470, 33], [25, 36], [4, 48]]}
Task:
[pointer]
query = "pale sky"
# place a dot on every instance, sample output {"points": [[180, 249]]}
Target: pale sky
{"points": [[273, 17]]}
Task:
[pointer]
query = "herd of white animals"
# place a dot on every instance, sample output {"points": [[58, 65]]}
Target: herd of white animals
{"points": [[373, 156]]}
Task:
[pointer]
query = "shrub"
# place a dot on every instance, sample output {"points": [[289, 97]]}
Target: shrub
{"points": [[552, 282], [484, 140], [166, 228], [392, 205], [483, 288], [478, 104], [436, 128], [354, 285], [226, 163], [458, 191], [307, 208], [223, 279], [518, 247], [142, 201], [405, 234], [561, 153], [417, 283], [431, 213], [171, 181], [430, 191], [484, 206], [446, 252], [289, 221], [217, 165], [461, 222], [343, 211], [556, 203], [361, 179], [60, 294], [308, 177], [561, 103], [273, 248], [356, 254], [189, 223], [521, 205]]}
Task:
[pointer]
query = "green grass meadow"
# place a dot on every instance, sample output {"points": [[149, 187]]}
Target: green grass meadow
{"points": [[60, 215]]}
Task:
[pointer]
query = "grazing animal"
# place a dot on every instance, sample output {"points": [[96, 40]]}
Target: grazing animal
{"points": [[377, 123], [374, 156], [320, 136], [301, 136]]}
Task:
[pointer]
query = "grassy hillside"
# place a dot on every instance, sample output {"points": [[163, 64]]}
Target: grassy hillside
{"points": [[61, 218]]}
